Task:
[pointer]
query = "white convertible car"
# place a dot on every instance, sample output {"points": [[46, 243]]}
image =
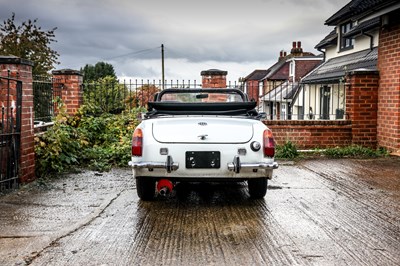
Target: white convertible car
{"points": [[201, 135]]}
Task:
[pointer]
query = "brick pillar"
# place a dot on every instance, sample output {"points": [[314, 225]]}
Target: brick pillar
{"points": [[362, 106], [21, 69], [253, 88], [213, 78], [389, 86], [69, 82]]}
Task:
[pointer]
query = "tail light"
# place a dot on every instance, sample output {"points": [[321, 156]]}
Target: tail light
{"points": [[137, 143], [269, 143]]}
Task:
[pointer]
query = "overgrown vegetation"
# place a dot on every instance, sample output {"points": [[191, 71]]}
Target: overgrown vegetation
{"points": [[286, 151], [354, 151], [105, 95], [98, 142], [290, 151]]}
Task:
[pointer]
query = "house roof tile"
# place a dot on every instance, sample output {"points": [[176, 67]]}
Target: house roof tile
{"points": [[357, 7], [281, 73], [274, 68], [334, 69], [330, 39], [257, 74]]}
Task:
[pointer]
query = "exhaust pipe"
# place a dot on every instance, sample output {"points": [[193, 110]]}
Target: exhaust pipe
{"points": [[164, 187]]}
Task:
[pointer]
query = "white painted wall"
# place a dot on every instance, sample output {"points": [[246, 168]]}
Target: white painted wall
{"points": [[360, 43]]}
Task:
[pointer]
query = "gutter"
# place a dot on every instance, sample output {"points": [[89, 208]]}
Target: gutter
{"points": [[323, 52], [371, 38]]}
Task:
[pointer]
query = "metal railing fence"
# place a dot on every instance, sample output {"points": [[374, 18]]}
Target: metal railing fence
{"points": [[279, 100], [44, 94], [10, 131], [296, 101], [114, 96]]}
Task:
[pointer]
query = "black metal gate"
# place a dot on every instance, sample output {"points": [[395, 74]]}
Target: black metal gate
{"points": [[10, 131]]}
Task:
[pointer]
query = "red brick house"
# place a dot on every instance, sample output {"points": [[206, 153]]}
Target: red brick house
{"points": [[254, 84], [275, 87], [360, 77]]}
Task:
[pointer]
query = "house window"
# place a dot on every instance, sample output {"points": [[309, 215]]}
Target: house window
{"points": [[291, 69], [300, 112], [283, 111], [346, 43]]}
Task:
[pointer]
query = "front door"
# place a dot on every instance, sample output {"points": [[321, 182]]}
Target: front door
{"points": [[325, 93]]}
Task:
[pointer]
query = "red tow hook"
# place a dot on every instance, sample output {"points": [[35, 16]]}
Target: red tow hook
{"points": [[164, 187]]}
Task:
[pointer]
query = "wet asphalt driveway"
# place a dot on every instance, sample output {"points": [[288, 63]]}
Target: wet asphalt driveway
{"points": [[316, 212]]}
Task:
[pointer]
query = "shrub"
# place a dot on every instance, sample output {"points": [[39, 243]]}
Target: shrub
{"points": [[287, 151], [99, 142], [59, 147], [110, 139]]}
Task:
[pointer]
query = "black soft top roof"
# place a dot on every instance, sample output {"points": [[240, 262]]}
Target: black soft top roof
{"points": [[240, 108]]}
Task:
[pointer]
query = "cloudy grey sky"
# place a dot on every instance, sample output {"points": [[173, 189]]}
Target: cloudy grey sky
{"points": [[235, 36]]}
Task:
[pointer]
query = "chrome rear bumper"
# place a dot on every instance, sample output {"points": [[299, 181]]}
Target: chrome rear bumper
{"points": [[168, 165], [236, 165]]}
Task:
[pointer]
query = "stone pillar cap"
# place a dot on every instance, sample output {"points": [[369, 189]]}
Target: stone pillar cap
{"points": [[214, 72], [66, 71], [11, 59]]}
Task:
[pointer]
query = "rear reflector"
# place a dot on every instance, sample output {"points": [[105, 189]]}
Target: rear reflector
{"points": [[137, 142], [269, 143]]}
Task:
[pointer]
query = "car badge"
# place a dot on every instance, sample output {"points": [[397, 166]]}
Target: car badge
{"points": [[202, 137], [202, 123]]}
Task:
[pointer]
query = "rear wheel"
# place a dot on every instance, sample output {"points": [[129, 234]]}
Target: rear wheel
{"points": [[145, 187], [257, 187]]}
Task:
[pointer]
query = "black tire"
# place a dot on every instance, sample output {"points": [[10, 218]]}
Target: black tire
{"points": [[257, 187], [145, 187]]}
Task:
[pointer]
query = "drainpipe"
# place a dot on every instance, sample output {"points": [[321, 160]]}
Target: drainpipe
{"points": [[371, 38], [319, 49]]}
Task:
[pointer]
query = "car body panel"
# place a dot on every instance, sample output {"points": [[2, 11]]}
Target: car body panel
{"points": [[202, 130], [186, 139]]}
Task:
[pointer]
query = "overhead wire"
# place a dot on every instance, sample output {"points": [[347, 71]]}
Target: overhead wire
{"points": [[186, 57], [133, 53]]}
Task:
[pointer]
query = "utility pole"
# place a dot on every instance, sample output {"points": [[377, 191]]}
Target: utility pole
{"points": [[162, 66]]}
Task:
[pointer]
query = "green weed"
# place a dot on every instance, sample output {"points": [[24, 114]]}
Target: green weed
{"points": [[286, 151]]}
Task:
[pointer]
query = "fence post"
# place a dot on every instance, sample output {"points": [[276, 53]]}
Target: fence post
{"points": [[362, 106], [69, 84], [21, 69]]}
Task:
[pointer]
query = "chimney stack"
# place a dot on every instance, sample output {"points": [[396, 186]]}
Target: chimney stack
{"points": [[296, 50], [282, 55]]}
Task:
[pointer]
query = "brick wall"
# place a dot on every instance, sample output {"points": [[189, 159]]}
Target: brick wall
{"points": [[388, 128], [359, 129], [214, 78], [362, 106], [308, 134], [22, 70], [253, 90], [70, 82]]}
